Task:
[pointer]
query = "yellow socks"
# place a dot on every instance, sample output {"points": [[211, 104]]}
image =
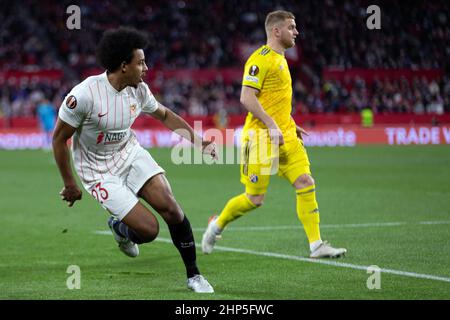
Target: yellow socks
{"points": [[235, 208], [308, 212]]}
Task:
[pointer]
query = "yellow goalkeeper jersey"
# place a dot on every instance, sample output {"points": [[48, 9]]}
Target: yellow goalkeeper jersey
{"points": [[268, 71]]}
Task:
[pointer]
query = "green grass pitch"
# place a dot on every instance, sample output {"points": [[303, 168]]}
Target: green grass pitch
{"points": [[389, 206]]}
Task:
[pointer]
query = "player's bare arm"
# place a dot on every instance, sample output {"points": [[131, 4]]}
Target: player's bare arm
{"points": [[62, 133], [251, 103], [175, 123]]}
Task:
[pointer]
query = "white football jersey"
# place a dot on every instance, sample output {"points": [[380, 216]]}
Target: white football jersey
{"points": [[104, 143]]}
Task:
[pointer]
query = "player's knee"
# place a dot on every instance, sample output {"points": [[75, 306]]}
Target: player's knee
{"points": [[256, 200], [258, 203], [172, 213], [304, 181]]}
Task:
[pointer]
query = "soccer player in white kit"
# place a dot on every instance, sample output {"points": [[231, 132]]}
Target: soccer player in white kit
{"points": [[112, 166]]}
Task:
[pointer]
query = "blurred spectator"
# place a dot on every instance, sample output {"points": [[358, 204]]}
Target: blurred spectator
{"points": [[47, 117]]}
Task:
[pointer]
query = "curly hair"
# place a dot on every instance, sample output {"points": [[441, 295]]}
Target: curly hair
{"points": [[117, 46]]}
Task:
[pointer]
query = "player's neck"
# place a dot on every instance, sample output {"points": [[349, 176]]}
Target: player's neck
{"points": [[275, 46], [116, 81]]}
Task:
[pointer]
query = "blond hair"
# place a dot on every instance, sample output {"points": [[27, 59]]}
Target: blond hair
{"points": [[276, 17]]}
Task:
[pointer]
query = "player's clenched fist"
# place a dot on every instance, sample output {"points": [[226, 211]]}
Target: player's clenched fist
{"points": [[70, 194]]}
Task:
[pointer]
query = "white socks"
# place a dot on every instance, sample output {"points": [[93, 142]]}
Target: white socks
{"points": [[313, 246]]}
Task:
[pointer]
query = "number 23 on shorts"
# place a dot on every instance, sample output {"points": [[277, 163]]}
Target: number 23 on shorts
{"points": [[99, 193]]}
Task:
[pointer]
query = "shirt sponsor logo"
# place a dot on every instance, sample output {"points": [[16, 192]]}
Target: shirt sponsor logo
{"points": [[71, 102], [252, 79], [253, 71], [111, 137], [100, 137]]}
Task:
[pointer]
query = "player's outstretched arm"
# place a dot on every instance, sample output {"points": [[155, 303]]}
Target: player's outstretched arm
{"points": [[62, 133], [177, 124], [251, 103]]}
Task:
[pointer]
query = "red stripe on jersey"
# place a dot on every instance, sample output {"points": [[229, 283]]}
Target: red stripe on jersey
{"points": [[93, 101], [90, 167], [129, 107], [101, 104], [107, 106], [115, 98], [98, 168], [121, 100]]}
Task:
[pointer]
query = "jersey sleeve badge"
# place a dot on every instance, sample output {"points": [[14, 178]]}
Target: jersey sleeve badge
{"points": [[253, 70], [71, 102]]}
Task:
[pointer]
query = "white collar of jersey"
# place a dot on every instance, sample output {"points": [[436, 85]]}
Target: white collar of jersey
{"points": [[108, 84]]}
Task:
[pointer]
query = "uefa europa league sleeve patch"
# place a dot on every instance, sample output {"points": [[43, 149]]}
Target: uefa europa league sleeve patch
{"points": [[71, 102], [254, 70]]}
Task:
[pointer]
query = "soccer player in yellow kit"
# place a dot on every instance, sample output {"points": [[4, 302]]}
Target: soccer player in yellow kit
{"points": [[271, 141]]}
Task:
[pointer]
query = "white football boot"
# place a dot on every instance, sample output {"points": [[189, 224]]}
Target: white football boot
{"points": [[211, 235], [325, 250], [127, 246], [199, 284]]}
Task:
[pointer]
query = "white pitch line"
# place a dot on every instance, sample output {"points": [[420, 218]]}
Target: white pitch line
{"points": [[332, 226], [434, 222], [303, 259]]}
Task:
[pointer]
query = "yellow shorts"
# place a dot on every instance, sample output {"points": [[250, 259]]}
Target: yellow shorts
{"points": [[259, 162]]}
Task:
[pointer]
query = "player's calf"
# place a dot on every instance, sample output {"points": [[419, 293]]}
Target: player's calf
{"points": [[139, 225], [148, 235], [183, 239]]}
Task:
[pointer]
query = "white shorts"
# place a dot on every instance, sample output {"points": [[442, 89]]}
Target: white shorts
{"points": [[118, 193]]}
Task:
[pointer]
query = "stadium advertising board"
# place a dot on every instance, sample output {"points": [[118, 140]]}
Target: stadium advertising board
{"points": [[324, 136]]}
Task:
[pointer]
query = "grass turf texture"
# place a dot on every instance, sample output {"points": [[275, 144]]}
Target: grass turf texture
{"points": [[41, 236]]}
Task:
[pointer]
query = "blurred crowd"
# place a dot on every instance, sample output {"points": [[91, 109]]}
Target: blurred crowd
{"points": [[20, 99], [211, 34], [419, 96]]}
